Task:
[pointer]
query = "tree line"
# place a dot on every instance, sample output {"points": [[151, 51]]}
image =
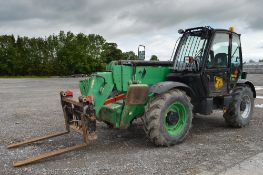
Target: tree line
{"points": [[61, 54]]}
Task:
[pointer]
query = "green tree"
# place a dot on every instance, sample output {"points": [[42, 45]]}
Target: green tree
{"points": [[129, 56], [62, 54], [8, 55], [251, 61], [154, 58], [111, 52]]}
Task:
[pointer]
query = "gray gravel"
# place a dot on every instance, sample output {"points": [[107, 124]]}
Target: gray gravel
{"points": [[31, 107]]}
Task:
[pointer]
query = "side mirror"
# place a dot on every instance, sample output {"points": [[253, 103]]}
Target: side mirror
{"points": [[141, 52], [181, 31]]}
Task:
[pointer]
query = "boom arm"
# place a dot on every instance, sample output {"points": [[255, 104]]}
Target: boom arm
{"points": [[99, 86]]}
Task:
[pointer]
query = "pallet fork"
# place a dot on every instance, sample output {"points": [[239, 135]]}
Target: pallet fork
{"points": [[79, 116]]}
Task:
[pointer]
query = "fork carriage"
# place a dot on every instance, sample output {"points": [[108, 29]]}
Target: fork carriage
{"points": [[79, 116]]}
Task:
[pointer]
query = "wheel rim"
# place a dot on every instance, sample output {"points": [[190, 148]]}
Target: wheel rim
{"points": [[245, 106], [175, 119]]}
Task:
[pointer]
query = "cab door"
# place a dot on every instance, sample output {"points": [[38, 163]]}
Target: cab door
{"points": [[217, 68], [236, 59]]}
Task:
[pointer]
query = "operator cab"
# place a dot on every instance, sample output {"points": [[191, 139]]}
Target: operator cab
{"points": [[209, 61], [212, 54]]}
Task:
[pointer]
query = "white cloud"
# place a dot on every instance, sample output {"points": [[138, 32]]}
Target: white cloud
{"points": [[153, 23]]}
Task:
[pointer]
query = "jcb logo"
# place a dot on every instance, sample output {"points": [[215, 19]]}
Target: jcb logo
{"points": [[218, 82]]}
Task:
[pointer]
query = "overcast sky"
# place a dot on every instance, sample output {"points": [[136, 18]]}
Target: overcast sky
{"points": [[129, 23]]}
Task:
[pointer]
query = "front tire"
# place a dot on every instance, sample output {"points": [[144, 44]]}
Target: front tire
{"points": [[241, 109], [168, 118]]}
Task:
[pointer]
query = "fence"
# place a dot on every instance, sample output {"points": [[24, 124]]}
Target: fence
{"points": [[253, 68]]}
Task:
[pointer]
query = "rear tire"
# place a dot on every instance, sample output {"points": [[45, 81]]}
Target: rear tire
{"points": [[168, 118], [241, 109]]}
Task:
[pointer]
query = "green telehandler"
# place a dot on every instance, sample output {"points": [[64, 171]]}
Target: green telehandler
{"points": [[206, 74]]}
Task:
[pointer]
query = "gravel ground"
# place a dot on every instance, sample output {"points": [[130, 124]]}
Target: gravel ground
{"points": [[31, 107]]}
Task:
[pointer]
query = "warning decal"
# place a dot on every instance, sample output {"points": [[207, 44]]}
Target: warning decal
{"points": [[218, 82]]}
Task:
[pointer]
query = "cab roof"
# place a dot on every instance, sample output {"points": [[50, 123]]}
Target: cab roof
{"points": [[208, 28]]}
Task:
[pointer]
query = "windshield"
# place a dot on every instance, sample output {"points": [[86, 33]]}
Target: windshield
{"points": [[192, 45]]}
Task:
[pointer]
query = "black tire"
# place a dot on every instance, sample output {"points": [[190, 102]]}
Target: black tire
{"points": [[236, 116], [155, 116]]}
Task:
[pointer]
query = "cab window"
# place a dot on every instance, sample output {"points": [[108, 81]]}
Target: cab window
{"points": [[218, 55], [235, 53]]}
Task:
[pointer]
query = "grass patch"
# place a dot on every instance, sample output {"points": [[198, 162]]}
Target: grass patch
{"points": [[24, 76]]}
